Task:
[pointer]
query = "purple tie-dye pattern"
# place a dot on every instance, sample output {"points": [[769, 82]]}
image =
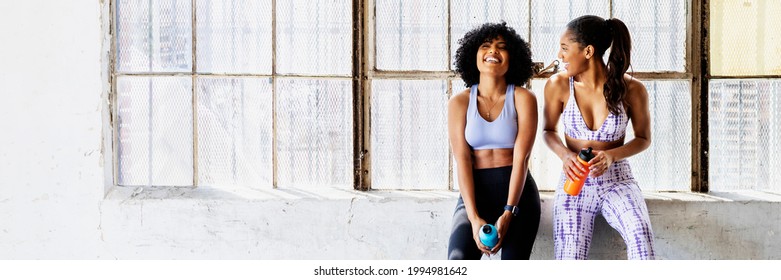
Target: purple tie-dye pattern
{"points": [[614, 127], [615, 195]]}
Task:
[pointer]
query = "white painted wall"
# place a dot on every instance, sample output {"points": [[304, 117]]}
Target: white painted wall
{"points": [[53, 182], [51, 176]]}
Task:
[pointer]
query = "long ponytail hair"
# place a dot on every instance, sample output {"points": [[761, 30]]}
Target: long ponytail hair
{"points": [[603, 34]]}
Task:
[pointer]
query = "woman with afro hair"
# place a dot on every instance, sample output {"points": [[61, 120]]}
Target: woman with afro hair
{"points": [[491, 126]]}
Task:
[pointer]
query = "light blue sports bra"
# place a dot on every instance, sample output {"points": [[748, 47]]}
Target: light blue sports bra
{"points": [[498, 134]]}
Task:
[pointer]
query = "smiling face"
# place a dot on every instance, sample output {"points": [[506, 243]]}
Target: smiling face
{"points": [[573, 56], [493, 57]]}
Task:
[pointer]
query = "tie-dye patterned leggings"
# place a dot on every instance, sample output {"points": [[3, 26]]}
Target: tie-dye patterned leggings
{"points": [[618, 198]]}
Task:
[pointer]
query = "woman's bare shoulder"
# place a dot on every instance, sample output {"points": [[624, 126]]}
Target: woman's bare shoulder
{"points": [[635, 87], [557, 86], [460, 99], [524, 94]]}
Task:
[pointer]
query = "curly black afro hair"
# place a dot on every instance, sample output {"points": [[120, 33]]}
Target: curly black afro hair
{"points": [[520, 69]]}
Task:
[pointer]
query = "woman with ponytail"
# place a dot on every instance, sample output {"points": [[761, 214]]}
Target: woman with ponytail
{"points": [[597, 100]]}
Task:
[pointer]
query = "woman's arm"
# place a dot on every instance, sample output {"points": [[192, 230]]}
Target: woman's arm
{"points": [[551, 113], [456, 124], [556, 93], [638, 112], [526, 108]]}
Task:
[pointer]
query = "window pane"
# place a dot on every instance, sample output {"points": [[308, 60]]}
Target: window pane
{"points": [[234, 36], [409, 134], [155, 135], [314, 133], [154, 36], [549, 19], [411, 35], [234, 132], [664, 166], [658, 31], [544, 165], [745, 38], [314, 37], [466, 15], [457, 86], [744, 119]]}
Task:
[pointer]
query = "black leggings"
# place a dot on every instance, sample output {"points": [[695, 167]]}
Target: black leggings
{"points": [[491, 190]]}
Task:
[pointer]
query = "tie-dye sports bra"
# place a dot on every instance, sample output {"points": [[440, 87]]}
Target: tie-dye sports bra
{"points": [[614, 127]]}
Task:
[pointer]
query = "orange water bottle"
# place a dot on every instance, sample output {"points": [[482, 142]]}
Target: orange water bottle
{"points": [[573, 187]]}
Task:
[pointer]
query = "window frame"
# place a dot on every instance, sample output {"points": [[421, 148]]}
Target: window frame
{"points": [[703, 66], [364, 71], [690, 74], [113, 75]]}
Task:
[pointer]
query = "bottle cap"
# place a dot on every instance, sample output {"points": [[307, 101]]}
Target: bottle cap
{"points": [[586, 155], [487, 229], [488, 235]]}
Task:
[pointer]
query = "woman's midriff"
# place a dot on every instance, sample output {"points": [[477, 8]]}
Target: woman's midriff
{"points": [[576, 145], [492, 158]]}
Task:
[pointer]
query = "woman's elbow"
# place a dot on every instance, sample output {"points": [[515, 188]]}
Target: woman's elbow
{"points": [[646, 143]]}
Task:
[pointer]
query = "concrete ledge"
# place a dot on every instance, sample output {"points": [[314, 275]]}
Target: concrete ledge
{"points": [[718, 225], [204, 223], [208, 193]]}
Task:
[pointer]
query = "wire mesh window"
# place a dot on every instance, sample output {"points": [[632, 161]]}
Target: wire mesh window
{"points": [[745, 40], [745, 121], [402, 26], [222, 93], [409, 135], [744, 100], [258, 93]]}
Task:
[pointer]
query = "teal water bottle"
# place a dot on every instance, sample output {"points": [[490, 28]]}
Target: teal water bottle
{"points": [[488, 235]]}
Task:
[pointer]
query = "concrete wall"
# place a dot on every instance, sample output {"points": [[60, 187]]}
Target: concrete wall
{"points": [[340, 224], [55, 202]]}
